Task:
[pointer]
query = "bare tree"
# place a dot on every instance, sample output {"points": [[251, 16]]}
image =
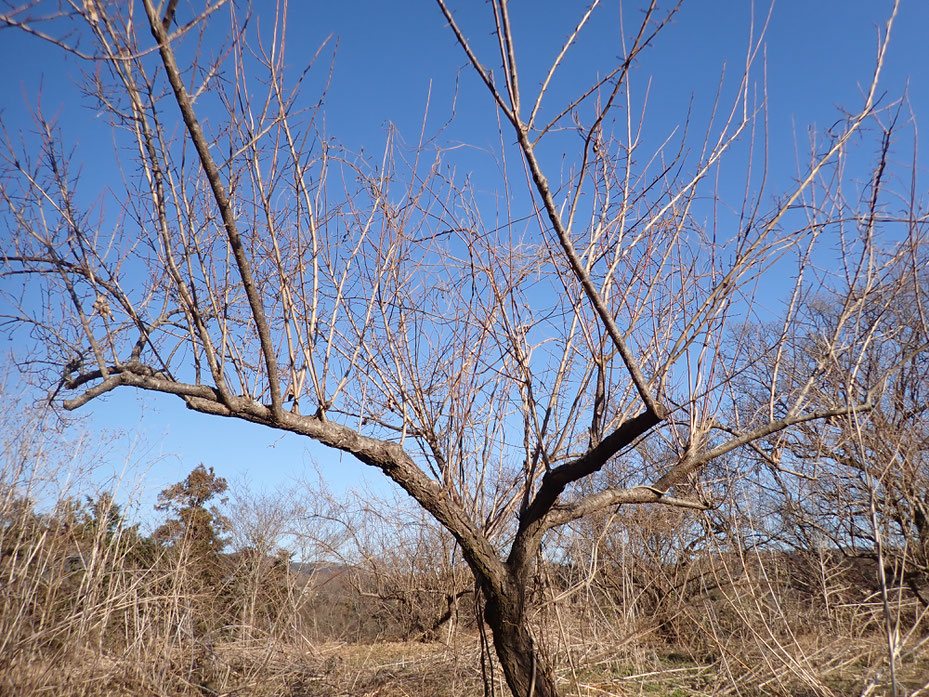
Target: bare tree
{"points": [[855, 487], [495, 364], [825, 474]]}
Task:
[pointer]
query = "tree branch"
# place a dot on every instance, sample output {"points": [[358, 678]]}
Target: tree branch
{"points": [[387, 456], [658, 492], [615, 497], [222, 202], [531, 522]]}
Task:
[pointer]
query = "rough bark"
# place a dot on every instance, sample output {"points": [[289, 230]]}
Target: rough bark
{"points": [[525, 668]]}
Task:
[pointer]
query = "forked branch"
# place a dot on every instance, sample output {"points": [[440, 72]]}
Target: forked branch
{"points": [[211, 171]]}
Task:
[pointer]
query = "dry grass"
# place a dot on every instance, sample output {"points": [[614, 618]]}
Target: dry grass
{"points": [[62, 661], [90, 610]]}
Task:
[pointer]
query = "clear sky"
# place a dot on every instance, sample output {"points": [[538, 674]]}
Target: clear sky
{"points": [[388, 55]]}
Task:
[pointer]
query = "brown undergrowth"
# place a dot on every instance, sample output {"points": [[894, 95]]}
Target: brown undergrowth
{"points": [[90, 606]]}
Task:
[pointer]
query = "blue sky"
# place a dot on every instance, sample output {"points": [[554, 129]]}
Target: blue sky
{"points": [[387, 57]]}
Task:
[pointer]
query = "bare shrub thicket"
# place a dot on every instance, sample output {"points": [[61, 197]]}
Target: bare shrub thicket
{"points": [[91, 605], [409, 573], [382, 570]]}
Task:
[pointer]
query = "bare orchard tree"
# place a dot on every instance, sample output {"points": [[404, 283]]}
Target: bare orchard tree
{"points": [[494, 363], [860, 484], [856, 487]]}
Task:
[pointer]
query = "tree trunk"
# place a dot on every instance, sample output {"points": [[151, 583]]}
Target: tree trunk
{"points": [[527, 673]]}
